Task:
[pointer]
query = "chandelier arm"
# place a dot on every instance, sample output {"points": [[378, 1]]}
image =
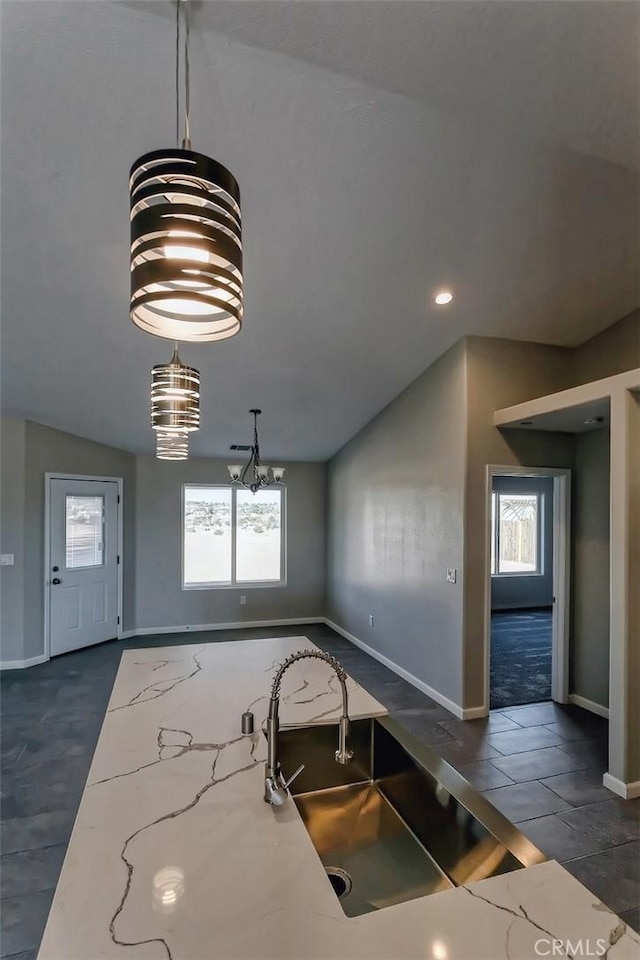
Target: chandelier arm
{"points": [[247, 465], [256, 442]]}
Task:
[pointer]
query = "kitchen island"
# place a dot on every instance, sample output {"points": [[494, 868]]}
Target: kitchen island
{"points": [[175, 854]]}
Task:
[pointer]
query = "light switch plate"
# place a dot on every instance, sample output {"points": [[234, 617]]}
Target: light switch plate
{"points": [[6, 560], [451, 574]]}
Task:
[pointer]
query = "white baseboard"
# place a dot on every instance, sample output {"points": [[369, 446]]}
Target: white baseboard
{"points": [[474, 713], [200, 627], [187, 628], [469, 714], [21, 664], [589, 705], [628, 791]]}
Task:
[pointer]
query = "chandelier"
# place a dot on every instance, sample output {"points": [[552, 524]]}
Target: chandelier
{"points": [[186, 235], [175, 396], [255, 475]]}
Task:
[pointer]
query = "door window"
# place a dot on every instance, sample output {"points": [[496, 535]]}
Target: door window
{"points": [[84, 531]]}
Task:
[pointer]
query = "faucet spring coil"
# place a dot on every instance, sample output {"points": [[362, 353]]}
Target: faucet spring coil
{"points": [[302, 655]]}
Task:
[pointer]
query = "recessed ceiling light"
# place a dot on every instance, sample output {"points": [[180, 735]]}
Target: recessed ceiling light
{"points": [[526, 423], [593, 420], [445, 296]]}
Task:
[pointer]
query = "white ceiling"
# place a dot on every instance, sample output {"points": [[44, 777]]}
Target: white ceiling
{"points": [[578, 419], [566, 71], [383, 150]]}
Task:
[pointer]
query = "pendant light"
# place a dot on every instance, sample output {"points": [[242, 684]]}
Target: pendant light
{"points": [[175, 396], [172, 446], [257, 470], [186, 235]]}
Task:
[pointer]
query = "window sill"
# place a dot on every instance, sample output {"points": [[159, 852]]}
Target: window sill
{"points": [[240, 587], [506, 576]]}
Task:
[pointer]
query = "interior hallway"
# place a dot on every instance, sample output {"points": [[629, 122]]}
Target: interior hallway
{"points": [[541, 765]]}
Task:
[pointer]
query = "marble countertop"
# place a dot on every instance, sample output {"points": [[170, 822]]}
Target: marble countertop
{"points": [[174, 853]]}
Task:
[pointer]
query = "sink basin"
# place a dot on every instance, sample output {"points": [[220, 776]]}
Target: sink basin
{"points": [[398, 822]]}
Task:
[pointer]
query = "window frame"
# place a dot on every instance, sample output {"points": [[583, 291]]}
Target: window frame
{"points": [[495, 534], [235, 584]]}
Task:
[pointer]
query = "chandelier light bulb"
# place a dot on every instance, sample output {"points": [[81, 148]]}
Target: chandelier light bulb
{"points": [[183, 252]]}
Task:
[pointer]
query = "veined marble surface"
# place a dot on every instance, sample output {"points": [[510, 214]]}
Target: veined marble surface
{"points": [[175, 856]]}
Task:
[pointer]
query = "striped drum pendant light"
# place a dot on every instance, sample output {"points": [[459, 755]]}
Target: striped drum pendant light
{"points": [[186, 235], [186, 247], [175, 396], [172, 446]]}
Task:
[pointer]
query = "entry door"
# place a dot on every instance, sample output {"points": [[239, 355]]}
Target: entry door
{"points": [[83, 556]]}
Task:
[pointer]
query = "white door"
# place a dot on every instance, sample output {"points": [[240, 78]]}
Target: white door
{"points": [[83, 557]]}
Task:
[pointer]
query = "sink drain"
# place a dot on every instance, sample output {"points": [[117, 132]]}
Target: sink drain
{"points": [[340, 881]]}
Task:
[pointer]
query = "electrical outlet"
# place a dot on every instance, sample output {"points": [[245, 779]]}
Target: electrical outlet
{"points": [[243, 600], [6, 559], [451, 574], [370, 619]]}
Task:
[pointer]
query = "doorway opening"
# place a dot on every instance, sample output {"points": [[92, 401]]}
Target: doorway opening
{"points": [[82, 561], [521, 590], [527, 586]]}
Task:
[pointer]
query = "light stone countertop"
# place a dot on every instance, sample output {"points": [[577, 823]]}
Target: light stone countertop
{"points": [[174, 853]]}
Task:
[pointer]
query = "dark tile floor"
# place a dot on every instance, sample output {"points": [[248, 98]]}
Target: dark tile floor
{"points": [[540, 764]]}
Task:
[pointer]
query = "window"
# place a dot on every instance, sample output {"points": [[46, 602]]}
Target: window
{"points": [[84, 531], [232, 537], [515, 529]]}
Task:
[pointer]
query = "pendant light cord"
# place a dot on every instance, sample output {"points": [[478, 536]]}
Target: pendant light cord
{"points": [[186, 139], [177, 73], [187, 78]]}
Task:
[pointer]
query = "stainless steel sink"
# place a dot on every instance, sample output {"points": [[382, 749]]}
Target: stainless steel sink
{"points": [[398, 822]]}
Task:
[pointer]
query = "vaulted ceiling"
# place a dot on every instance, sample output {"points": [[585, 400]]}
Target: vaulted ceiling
{"points": [[383, 150]]}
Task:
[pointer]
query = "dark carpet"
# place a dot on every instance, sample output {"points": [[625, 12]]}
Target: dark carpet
{"points": [[520, 657]]}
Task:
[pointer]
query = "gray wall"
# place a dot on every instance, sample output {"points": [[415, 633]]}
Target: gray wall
{"points": [[633, 673], [589, 650], [613, 351], [396, 501], [52, 451], [12, 466], [153, 596], [378, 532], [508, 592], [161, 601]]}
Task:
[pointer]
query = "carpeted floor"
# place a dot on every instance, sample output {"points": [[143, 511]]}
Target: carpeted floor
{"points": [[520, 657]]}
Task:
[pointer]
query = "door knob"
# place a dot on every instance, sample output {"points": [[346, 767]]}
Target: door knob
{"points": [[56, 580]]}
